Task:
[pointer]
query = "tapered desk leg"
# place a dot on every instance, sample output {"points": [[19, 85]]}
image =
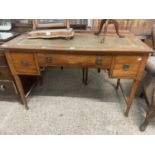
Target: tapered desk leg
{"points": [[21, 90], [131, 96]]}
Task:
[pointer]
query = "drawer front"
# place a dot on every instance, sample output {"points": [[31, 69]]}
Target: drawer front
{"points": [[3, 61], [74, 60], [5, 73], [7, 88], [126, 66], [24, 63]]}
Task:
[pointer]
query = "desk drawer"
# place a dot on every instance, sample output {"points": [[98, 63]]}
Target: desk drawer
{"points": [[24, 63], [5, 73], [74, 60], [126, 66]]}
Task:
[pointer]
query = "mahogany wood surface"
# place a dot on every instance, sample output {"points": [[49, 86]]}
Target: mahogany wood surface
{"points": [[74, 60], [125, 58]]}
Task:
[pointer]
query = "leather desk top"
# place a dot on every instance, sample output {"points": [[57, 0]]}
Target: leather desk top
{"points": [[81, 42]]}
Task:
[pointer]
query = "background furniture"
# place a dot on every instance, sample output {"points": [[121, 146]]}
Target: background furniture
{"points": [[50, 23], [140, 27], [8, 89], [149, 86]]}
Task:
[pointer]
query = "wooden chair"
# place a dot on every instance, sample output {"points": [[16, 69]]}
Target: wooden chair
{"points": [[149, 86], [150, 113]]}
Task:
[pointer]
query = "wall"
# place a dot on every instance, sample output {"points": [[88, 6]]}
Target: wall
{"points": [[137, 26]]}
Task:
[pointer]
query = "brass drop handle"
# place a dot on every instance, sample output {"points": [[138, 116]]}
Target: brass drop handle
{"points": [[49, 59], [98, 61], [24, 63], [2, 88], [126, 66]]}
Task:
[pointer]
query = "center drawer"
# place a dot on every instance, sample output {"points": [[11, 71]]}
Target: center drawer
{"points": [[74, 60]]}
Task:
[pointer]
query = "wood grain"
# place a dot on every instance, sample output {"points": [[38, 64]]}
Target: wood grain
{"points": [[74, 60], [30, 68], [133, 62]]}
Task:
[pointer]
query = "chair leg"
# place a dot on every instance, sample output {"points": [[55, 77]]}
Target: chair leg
{"points": [[141, 94], [118, 83], [150, 114], [83, 75], [62, 67], [98, 70], [86, 76]]}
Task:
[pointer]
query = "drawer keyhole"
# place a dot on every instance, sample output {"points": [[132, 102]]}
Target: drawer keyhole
{"points": [[24, 63], [98, 61], [126, 66], [2, 88], [49, 59]]}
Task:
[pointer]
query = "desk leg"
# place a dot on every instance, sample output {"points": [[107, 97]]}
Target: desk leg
{"points": [[21, 90], [131, 96]]}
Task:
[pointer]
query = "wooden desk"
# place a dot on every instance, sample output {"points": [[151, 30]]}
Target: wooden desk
{"points": [[124, 58]]}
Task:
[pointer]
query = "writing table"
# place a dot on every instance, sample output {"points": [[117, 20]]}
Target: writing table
{"points": [[124, 58]]}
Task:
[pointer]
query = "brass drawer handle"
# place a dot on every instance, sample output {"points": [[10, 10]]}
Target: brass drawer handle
{"points": [[24, 63], [2, 88], [126, 66], [49, 59], [98, 61]]}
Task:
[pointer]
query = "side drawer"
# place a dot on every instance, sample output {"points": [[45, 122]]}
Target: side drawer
{"points": [[74, 60], [7, 88], [126, 66], [5, 73], [24, 63]]}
